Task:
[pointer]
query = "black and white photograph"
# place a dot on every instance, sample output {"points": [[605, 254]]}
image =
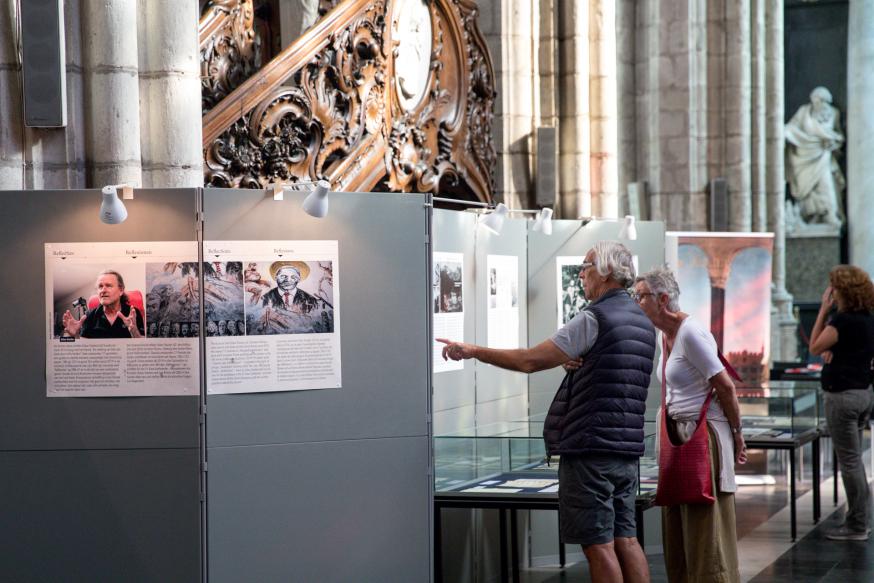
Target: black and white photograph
{"points": [[571, 299], [449, 288]]}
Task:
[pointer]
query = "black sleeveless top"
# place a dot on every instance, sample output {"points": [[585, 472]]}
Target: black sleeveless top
{"points": [[851, 365]]}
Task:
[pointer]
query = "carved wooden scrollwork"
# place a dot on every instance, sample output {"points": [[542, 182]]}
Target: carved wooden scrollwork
{"points": [[312, 128], [445, 145], [329, 107], [230, 50]]}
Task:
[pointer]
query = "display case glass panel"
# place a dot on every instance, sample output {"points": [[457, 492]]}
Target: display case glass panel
{"points": [[780, 409], [510, 457]]}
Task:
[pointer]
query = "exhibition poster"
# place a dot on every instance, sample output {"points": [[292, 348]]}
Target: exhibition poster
{"points": [[272, 316], [569, 289], [503, 301], [448, 300], [725, 280], [122, 319]]}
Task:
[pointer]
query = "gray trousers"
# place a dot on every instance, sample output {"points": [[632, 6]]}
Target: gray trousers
{"points": [[847, 414]]}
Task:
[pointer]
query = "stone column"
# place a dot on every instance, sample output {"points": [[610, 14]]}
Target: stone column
{"points": [[112, 98], [573, 161], [11, 114], [860, 134], [169, 88], [509, 29], [672, 106], [547, 65], [759, 121], [627, 89], [737, 106], [783, 326], [603, 138]]}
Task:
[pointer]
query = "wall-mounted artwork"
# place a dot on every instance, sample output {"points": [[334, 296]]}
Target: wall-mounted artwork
{"points": [[725, 280]]}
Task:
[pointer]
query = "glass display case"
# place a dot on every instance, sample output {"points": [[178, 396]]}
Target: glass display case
{"points": [[780, 409], [509, 457]]}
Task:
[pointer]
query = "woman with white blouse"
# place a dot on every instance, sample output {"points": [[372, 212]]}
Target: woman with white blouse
{"points": [[700, 540]]}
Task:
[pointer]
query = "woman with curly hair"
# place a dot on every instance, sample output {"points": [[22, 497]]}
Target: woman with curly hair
{"points": [[846, 341]]}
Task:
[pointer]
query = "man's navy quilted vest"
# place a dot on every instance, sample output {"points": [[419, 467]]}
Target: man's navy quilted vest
{"points": [[599, 407]]}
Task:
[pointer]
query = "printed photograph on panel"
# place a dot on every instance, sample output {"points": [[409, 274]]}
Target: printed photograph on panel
{"points": [[289, 297], [97, 301], [172, 303], [223, 298], [739, 309], [573, 300], [448, 276]]}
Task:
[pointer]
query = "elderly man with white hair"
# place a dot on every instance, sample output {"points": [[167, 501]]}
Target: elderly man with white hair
{"points": [[595, 422]]}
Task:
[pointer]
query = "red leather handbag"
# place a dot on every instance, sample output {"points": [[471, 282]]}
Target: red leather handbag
{"points": [[684, 470]]}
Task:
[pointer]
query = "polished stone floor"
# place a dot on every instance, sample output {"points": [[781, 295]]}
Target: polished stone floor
{"points": [[767, 555]]}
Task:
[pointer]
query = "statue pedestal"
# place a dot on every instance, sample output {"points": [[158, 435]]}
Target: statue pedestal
{"points": [[810, 255]]}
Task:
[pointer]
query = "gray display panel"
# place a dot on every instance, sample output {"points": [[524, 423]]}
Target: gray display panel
{"points": [[335, 481], [93, 488], [127, 515], [28, 420], [340, 511]]}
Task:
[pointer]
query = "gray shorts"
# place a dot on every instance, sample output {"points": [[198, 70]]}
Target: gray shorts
{"points": [[596, 495]]}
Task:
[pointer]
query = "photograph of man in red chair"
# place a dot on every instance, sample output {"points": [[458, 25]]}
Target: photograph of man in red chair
{"points": [[114, 315]]}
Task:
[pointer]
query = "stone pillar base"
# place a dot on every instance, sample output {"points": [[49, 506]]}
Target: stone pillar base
{"points": [[784, 328]]}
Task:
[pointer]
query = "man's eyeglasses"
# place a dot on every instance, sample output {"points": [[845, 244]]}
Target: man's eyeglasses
{"points": [[639, 297], [585, 265]]}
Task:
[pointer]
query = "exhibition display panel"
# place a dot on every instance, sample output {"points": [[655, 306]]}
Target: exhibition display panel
{"points": [[317, 433], [103, 487], [193, 400]]}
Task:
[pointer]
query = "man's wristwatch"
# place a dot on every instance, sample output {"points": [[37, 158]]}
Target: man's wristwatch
{"points": [[737, 429]]}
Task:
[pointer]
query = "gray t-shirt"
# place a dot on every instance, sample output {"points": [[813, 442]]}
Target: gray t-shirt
{"points": [[578, 336]]}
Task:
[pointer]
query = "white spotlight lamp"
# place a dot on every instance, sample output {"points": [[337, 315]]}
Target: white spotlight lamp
{"points": [[628, 230], [112, 210], [316, 202], [543, 222], [494, 221]]}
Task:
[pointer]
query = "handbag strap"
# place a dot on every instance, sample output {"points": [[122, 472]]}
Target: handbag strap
{"points": [[728, 368], [665, 355]]}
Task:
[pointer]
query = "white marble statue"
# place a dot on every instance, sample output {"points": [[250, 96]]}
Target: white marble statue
{"points": [[814, 138]]}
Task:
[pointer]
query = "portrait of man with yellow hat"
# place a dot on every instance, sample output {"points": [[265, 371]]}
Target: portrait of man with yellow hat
{"points": [[287, 295]]}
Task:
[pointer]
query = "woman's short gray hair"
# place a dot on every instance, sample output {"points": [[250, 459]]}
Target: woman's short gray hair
{"points": [[661, 280], [615, 259]]}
